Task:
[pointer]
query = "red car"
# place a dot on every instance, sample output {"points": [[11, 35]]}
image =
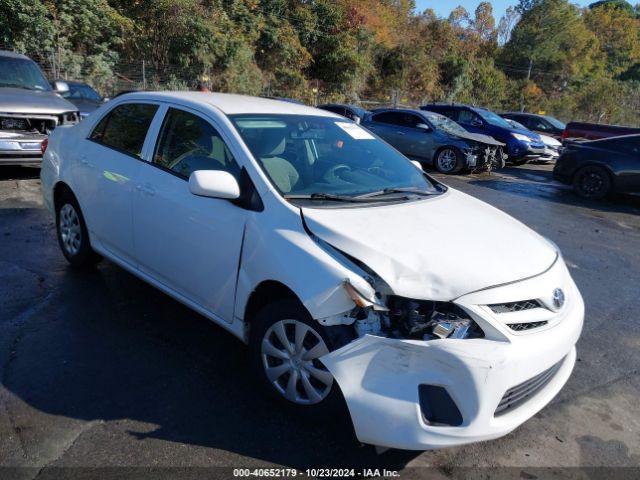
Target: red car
{"points": [[595, 131]]}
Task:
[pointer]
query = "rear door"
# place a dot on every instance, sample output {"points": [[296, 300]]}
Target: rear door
{"points": [[108, 168], [387, 125], [623, 156], [188, 243]]}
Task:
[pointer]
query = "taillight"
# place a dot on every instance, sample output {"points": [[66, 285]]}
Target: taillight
{"points": [[44, 145], [565, 134]]}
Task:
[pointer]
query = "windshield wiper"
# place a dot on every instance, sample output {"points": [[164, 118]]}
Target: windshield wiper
{"points": [[338, 198], [386, 191]]}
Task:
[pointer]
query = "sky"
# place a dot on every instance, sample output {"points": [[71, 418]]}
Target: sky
{"points": [[444, 7]]}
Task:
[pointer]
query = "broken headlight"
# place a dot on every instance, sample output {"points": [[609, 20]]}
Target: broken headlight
{"points": [[428, 320], [401, 317]]}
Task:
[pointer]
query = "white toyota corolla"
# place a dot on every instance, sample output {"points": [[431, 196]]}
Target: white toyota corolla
{"points": [[349, 272]]}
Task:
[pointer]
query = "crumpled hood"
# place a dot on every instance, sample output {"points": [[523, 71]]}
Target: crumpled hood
{"points": [[477, 137], [29, 102], [435, 249]]}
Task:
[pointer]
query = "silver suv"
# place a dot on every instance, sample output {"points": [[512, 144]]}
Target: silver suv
{"points": [[29, 109]]}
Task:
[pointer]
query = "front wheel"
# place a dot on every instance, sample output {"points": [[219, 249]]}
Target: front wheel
{"points": [[449, 160], [72, 233], [286, 346], [592, 182]]}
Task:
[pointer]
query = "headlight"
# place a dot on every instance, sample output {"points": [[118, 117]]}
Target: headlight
{"points": [[413, 319], [522, 138]]}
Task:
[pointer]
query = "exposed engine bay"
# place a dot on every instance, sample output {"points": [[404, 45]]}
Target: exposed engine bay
{"points": [[35, 124], [485, 158], [398, 317]]}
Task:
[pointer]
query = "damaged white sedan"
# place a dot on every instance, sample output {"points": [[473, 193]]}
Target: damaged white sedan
{"points": [[353, 276]]}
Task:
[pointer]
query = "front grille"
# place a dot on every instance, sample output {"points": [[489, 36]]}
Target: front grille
{"points": [[26, 123], [519, 394], [515, 306], [520, 327]]}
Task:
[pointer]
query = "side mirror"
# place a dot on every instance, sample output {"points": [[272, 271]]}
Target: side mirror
{"points": [[417, 164], [477, 123], [214, 184], [60, 87], [424, 127]]}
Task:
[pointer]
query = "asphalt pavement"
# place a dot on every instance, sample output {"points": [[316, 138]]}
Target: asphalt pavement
{"points": [[98, 369]]}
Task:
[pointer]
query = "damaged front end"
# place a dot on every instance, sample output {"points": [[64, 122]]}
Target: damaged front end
{"points": [[485, 158], [22, 135], [400, 317]]}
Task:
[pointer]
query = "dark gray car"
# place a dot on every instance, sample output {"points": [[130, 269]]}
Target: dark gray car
{"points": [[84, 97], [29, 109], [436, 140]]}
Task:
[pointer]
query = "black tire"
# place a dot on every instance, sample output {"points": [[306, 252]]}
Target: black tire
{"points": [[286, 310], [592, 182], [443, 164], [72, 233]]}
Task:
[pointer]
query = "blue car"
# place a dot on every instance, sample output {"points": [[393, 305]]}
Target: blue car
{"points": [[521, 145], [435, 140]]}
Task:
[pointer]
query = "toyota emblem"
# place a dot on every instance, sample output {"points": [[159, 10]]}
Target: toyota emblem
{"points": [[558, 298]]}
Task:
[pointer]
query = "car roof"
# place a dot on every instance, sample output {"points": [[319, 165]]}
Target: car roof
{"points": [[6, 53], [401, 110], [231, 104]]}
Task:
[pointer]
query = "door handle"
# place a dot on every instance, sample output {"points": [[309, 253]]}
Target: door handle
{"points": [[147, 189], [85, 161], [400, 133]]}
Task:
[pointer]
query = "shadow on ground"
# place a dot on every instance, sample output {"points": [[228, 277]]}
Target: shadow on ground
{"points": [[106, 346]]}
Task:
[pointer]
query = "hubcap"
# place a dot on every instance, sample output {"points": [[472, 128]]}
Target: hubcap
{"points": [[290, 353], [70, 230], [447, 160]]}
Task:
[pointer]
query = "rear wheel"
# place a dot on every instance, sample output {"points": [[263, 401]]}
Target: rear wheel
{"points": [[73, 236], [592, 182], [286, 345], [449, 160]]}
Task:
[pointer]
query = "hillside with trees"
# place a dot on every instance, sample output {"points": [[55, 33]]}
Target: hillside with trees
{"points": [[542, 55]]}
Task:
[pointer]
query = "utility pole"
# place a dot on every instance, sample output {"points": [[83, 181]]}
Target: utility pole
{"points": [[144, 76], [528, 78]]}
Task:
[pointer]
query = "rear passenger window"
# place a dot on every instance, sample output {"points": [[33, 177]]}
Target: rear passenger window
{"points": [[125, 127], [393, 118], [188, 143]]}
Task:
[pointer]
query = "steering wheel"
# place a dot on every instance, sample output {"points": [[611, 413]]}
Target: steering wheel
{"points": [[332, 173]]}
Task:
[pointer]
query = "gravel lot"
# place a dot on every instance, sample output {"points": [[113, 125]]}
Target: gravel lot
{"points": [[98, 369]]}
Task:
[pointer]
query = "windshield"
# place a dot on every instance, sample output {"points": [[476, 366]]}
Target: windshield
{"points": [[81, 91], [494, 119], [320, 156], [21, 73], [555, 122], [516, 124], [444, 123]]}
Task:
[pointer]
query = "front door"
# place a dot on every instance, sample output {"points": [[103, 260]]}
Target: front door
{"points": [[188, 243]]}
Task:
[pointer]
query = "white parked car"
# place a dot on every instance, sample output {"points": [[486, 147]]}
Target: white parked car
{"points": [[348, 271], [552, 150]]}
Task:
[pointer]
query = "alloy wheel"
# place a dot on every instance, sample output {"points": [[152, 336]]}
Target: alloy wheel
{"points": [[591, 182], [70, 230], [290, 351], [447, 160]]}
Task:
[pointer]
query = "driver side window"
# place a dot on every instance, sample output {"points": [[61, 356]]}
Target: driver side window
{"points": [[188, 143]]}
